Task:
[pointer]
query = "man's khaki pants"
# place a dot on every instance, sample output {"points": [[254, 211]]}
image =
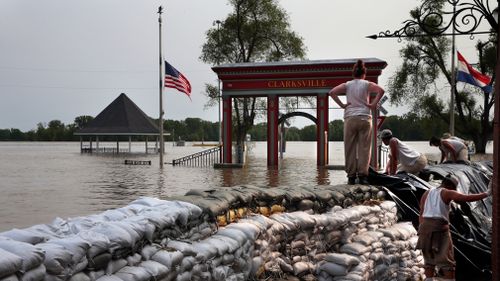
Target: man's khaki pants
{"points": [[357, 145]]}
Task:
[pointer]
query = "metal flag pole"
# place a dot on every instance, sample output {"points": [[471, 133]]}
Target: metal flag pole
{"points": [[453, 76], [162, 142]]}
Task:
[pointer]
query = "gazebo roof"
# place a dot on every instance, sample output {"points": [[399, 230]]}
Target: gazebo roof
{"points": [[121, 117]]}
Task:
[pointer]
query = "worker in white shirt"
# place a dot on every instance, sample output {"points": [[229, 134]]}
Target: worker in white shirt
{"points": [[401, 156]]}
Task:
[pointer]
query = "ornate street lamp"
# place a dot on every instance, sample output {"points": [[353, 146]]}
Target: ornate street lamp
{"points": [[465, 19]]}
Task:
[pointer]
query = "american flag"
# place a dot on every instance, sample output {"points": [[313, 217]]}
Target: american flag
{"points": [[175, 79]]}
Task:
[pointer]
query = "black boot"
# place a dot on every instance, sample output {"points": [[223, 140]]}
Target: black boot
{"points": [[351, 180], [363, 180]]}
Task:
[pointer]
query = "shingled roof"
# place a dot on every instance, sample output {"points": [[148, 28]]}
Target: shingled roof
{"points": [[121, 117]]}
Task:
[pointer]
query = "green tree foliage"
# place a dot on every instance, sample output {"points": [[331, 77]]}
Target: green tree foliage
{"points": [[416, 83], [82, 121], [255, 31]]}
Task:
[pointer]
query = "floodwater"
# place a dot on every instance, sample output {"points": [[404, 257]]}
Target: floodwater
{"points": [[40, 181]]}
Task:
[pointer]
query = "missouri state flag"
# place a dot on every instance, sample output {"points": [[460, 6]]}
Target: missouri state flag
{"points": [[467, 74]]}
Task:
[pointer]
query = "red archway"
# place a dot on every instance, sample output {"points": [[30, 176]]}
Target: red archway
{"points": [[288, 79]]}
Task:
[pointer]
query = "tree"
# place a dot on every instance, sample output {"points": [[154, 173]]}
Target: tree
{"points": [[415, 83], [255, 31], [82, 121]]}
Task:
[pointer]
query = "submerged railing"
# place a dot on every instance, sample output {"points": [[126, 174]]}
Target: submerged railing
{"points": [[203, 158]]}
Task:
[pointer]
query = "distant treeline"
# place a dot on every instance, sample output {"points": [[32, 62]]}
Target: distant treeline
{"points": [[195, 129]]}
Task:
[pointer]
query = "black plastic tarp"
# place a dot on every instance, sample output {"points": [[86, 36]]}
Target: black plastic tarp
{"points": [[470, 222]]}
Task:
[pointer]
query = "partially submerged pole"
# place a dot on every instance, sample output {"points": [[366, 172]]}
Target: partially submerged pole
{"points": [[162, 142]]}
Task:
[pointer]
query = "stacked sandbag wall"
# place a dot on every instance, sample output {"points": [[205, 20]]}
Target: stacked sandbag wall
{"points": [[86, 248], [153, 239]]}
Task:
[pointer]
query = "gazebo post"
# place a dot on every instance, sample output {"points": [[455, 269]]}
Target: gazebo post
{"points": [[146, 144], [90, 144], [97, 144], [129, 144], [81, 144], [117, 145]]}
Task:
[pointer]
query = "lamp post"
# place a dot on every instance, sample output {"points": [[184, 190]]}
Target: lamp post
{"points": [[465, 19]]}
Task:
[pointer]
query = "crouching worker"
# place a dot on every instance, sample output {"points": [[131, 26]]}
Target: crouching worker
{"points": [[452, 150], [401, 156], [434, 238]]}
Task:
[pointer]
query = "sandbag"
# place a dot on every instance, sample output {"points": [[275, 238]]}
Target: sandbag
{"points": [[80, 277], [36, 274], [334, 269], [32, 256], [57, 258], [129, 273], [156, 269], [22, 235], [342, 259], [9, 263]]}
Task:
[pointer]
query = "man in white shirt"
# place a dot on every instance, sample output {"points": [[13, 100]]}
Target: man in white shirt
{"points": [[452, 150], [434, 238], [401, 156]]}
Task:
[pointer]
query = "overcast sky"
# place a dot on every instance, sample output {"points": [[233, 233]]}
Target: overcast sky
{"points": [[63, 58]]}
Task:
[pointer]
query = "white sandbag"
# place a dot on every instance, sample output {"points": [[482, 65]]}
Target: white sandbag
{"points": [[99, 262], [300, 268], [94, 275], [148, 251], [193, 209], [32, 256], [364, 239], [134, 260], [391, 232], [114, 215], [118, 237], [147, 228], [303, 219], [354, 249], [109, 278], [80, 277], [186, 276], [115, 265], [147, 201], [76, 245], [156, 269], [342, 259], [99, 243], [23, 235], [136, 230], [81, 266], [224, 244], [168, 258], [36, 274], [129, 273], [333, 269], [9, 263], [159, 218], [57, 258], [185, 248], [220, 273], [204, 251], [10, 278], [187, 263], [389, 206], [233, 233], [349, 277], [251, 230]]}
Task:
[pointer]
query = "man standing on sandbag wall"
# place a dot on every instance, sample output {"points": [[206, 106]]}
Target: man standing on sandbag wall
{"points": [[434, 238]]}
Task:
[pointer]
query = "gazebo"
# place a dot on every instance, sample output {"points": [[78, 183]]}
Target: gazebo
{"points": [[120, 118]]}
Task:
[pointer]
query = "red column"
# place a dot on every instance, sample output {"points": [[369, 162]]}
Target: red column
{"points": [[322, 130], [227, 119], [272, 130]]}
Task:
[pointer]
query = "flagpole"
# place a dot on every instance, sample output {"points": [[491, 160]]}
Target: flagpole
{"points": [[162, 143], [453, 77]]}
